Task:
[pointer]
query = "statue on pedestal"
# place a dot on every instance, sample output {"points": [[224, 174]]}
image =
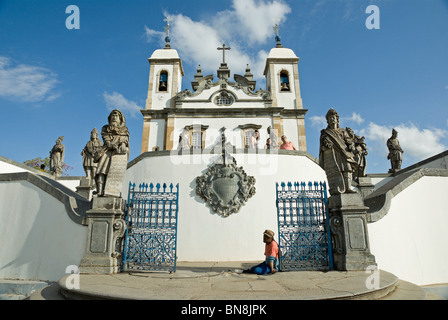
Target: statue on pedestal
{"points": [[360, 152], [395, 152], [88, 155], [116, 147], [106, 218], [57, 157], [336, 155]]}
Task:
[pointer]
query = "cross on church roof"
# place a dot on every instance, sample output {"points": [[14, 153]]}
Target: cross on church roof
{"points": [[277, 36], [224, 48], [167, 28], [167, 31]]}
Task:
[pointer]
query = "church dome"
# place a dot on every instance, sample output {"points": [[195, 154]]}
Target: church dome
{"points": [[281, 53], [165, 54]]}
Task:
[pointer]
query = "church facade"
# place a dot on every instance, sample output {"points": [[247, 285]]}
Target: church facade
{"points": [[194, 117]]}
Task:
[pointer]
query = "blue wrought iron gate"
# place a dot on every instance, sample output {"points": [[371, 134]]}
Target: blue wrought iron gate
{"points": [[151, 237], [303, 224]]}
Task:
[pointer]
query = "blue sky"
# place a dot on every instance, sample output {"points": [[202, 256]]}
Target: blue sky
{"points": [[60, 82]]}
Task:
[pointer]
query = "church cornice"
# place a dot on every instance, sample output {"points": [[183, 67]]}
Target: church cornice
{"points": [[224, 113]]}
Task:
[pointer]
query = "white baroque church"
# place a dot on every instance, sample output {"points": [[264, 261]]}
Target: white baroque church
{"points": [[182, 131], [44, 227], [215, 101]]}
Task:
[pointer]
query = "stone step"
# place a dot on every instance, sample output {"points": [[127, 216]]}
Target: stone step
{"points": [[408, 291]]}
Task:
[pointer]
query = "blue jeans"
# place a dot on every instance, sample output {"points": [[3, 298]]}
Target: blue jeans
{"points": [[261, 269]]}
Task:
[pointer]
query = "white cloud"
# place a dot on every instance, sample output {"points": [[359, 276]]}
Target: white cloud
{"points": [[118, 101], [321, 122], [415, 142], [356, 118], [257, 18], [247, 22], [318, 121], [25, 82]]}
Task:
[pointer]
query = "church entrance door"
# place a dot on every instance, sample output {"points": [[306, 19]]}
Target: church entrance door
{"points": [[303, 223], [151, 237]]}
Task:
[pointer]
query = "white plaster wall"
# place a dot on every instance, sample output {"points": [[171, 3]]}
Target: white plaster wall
{"points": [[291, 131], [206, 236], [156, 134], [38, 239], [9, 168], [411, 240]]}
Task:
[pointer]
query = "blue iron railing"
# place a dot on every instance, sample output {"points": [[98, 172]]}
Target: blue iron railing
{"points": [[303, 224], [151, 237]]}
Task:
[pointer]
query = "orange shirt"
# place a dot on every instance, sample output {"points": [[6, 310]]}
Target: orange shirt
{"points": [[271, 249]]}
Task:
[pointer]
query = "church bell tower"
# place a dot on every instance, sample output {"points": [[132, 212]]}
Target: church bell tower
{"points": [[282, 81], [165, 81]]}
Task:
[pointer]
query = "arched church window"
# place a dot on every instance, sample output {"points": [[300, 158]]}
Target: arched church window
{"points": [[284, 81], [224, 99], [163, 81]]}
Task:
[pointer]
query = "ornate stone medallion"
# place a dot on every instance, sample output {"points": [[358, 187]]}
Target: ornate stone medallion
{"points": [[225, 187]]}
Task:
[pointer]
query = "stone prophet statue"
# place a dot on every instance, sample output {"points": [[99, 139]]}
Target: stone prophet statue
{"points": [[57, 157], [88, 154], [115, 143], [395, 152], [360, 152], [336, 155]]}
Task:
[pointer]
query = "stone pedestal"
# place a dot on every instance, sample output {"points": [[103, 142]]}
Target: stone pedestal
{"points": [[86, 185], [106, 230], [348, 224], [365, 186]]}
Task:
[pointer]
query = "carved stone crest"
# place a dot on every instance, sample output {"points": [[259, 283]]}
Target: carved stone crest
{"points": [[225, 186]]}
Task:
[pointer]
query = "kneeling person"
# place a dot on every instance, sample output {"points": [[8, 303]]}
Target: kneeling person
{"points": [[271, 263]]}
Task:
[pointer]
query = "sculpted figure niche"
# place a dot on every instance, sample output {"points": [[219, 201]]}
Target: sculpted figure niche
{"points": [[336, 155], [112, 157]]}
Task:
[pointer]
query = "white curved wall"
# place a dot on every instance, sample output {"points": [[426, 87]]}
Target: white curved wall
{"points": [[206, 236], [411, 240], [38, 239]]}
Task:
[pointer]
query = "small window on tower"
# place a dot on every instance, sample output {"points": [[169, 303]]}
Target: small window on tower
{"points": [[163, 81], [284, 81]]}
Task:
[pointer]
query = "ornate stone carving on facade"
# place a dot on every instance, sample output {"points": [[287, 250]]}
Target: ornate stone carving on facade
{"points": [[395, 152], [225, 186], [57, 157], [336, 155]]}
